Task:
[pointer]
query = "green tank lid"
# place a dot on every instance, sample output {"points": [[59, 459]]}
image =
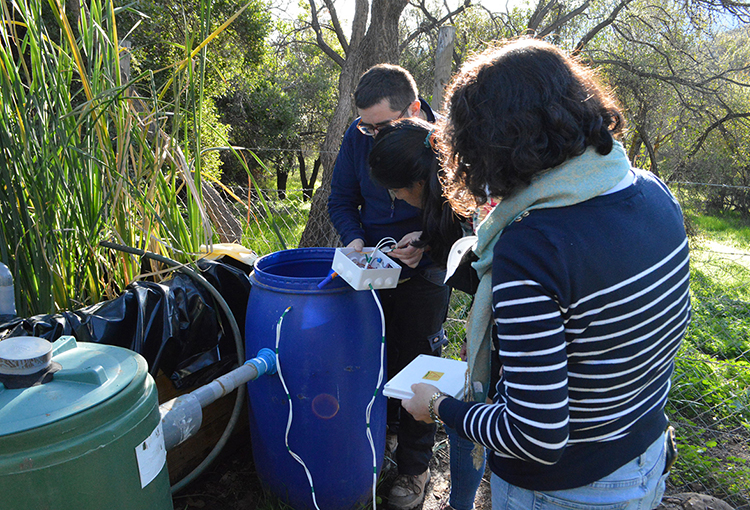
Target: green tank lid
{"points": [[87, 375]]}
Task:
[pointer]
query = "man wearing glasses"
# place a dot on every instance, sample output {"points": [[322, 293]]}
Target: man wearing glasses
{"points": [[363, 213]]}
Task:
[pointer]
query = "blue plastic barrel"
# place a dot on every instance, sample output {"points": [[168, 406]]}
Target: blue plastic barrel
{"points": [[330, 357]]}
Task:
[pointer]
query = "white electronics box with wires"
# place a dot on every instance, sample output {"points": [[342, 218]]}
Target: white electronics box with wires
{"points": [[370, 267]]}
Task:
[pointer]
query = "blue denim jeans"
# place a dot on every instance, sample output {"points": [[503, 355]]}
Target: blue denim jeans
{"points": [[465, 478], [638, 485]]}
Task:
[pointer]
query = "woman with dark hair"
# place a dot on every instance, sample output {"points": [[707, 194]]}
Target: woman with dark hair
{"points": [[404, 160], [584, 276]]}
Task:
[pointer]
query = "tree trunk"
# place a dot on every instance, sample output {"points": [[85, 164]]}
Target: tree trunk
{"points": [[281, 179], [380, 44], [302, 170], [307, 193], [307, 184], [443, 59]]}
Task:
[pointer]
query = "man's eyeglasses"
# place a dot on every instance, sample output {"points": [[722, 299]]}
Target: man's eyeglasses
{"points": [[372, 129]]}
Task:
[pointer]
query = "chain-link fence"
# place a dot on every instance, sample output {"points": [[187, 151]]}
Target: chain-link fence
{"points": [[709, 402]]}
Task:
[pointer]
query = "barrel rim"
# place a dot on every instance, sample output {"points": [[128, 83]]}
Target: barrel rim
{"points": [[262, 277]]}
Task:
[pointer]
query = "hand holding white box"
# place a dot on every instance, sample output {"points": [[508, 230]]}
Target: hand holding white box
{"points": [[448, 375]]}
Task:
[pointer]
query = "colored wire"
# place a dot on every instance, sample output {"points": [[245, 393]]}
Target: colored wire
{"points": [[380, 245], [383, 242], [372, 401], [368, 411], [289, 419]]}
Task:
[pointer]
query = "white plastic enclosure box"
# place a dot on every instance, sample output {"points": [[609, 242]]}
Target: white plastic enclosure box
{"points": [[370, 267]]}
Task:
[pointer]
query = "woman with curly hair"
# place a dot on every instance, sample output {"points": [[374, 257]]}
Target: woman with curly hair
{"points": [[584, 282]]}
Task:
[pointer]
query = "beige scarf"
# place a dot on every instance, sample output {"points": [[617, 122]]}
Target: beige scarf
{"points": [[575, 181]]}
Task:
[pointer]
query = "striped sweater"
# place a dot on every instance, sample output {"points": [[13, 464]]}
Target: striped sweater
{"points": [[590, 304]]}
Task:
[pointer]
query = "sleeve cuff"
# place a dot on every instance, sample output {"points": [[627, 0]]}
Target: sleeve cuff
{"points": [[452, 412]]}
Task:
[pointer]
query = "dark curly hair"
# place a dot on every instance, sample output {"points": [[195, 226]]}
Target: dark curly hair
{"points": [[515, 111], [403, 156]]}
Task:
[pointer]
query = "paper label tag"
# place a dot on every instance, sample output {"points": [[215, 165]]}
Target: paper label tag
{"points": [[151, 455], [433, 376]]}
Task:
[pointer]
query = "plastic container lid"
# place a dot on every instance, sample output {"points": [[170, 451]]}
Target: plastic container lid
{"points": [[90, 374], [23, 355]]}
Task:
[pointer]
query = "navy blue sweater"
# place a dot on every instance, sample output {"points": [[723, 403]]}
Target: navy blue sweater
{"points": [[358, 207], [590, 303]]}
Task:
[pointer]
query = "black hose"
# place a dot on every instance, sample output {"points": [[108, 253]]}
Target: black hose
{"points": [[234, 418]]}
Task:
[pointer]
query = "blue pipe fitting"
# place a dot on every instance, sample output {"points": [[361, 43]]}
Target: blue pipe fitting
{"points": [[264, 362]]}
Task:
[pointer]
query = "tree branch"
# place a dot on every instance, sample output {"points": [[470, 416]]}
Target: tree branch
{"points": [[433, 24], [337, 26], [605, 23], [562, 20], [359, 25], [643, 74], [319, 37], [540, 12], [716, 124]]}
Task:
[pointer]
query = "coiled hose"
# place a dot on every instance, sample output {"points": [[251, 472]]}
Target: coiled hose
{"points": [[237, 410]]}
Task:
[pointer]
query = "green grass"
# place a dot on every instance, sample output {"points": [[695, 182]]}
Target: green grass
{"points": [[727, 228], [700, 464], [455, 325], [720, 287], [709, 392], [709, 403], [720, 323], [290, 216]]}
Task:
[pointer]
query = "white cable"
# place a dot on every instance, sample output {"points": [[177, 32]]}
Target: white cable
{"points": [[385, 240], [368, 411], [372, 401], [289, 420]]}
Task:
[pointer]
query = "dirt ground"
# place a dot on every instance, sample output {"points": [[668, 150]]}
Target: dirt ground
{"points": [[231, 483]]}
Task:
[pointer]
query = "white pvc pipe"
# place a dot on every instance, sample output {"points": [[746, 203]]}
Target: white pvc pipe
{"points": [[225, 384], [181, 417]]}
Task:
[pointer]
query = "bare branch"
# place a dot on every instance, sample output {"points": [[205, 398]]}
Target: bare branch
{"points": [[723, 75], [540, 12], [425, 11], [651, 154], [319, 37], [598, 28], [337, 26], [716, 124], [562, 20], [673, 79], [433, 23]]}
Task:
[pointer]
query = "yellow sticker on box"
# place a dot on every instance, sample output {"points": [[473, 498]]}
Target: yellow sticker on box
{"points": [[431, 375]]}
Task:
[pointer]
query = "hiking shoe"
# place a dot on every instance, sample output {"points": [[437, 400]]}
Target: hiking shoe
{"points": [[408, 491]]}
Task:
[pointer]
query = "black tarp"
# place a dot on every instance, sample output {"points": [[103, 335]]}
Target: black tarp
{"points": [[175, 324]]}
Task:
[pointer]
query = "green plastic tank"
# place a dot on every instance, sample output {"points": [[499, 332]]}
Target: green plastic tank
{"points": [[79, 428]]}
